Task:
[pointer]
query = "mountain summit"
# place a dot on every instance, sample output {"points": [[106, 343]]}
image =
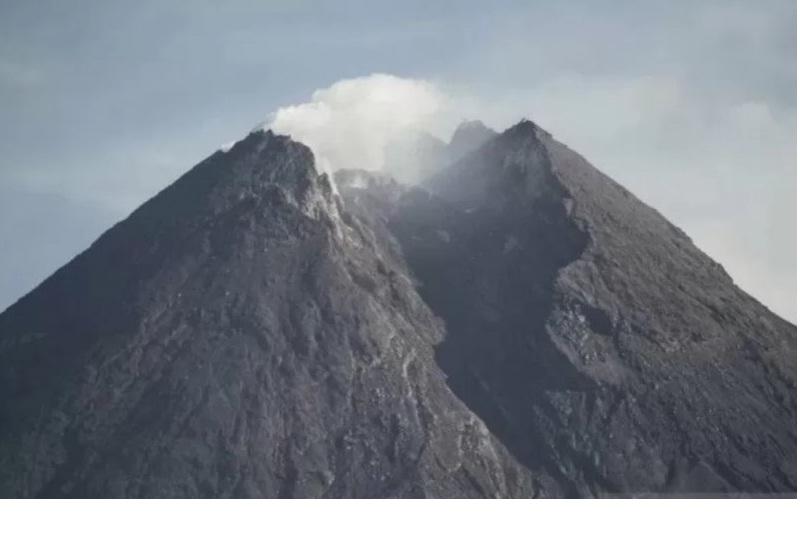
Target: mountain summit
{"points": [[468, 136], [519, 325]]}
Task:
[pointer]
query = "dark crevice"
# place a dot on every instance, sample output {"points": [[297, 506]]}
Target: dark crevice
{"points": [[489, 273]]}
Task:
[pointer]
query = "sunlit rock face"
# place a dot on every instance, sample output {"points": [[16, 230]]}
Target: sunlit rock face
{"points": [[515, 325]]}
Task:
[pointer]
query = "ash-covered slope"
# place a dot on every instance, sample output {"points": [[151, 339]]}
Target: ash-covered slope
{"points": [[523, 327], [238, 335], [593, 338]]}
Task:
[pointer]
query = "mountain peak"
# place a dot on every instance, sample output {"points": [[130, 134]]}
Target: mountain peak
{"points": [[468, 136], [268, 163], [526, 127], [470, 127], [265, 143], [525, 326]]}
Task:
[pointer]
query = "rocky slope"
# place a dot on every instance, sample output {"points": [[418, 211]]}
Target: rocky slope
{"points": [[237, 336], [595, 340], [522, 326]]}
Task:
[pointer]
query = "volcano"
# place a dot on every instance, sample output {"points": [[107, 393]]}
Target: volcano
{"points": [[516, 325]]}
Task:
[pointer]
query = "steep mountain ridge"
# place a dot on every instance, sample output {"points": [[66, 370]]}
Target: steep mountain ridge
{"points": [[265, 348]]}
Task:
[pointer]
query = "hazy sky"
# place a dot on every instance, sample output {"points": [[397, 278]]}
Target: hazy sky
{"points": [[690, 104]]}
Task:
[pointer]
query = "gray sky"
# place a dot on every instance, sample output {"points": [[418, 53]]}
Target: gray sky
{"points": [[690, 104]]}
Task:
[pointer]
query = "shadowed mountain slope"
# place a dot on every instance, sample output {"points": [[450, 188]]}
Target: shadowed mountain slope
{"points": [[595, 340]]}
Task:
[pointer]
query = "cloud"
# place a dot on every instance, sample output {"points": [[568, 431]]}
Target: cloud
{"points": [[350, 123]]}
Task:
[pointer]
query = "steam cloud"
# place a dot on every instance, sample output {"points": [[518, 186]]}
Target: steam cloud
{"points": [[350, 123]]}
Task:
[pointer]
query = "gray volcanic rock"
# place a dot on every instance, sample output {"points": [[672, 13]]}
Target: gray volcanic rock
{"points": [[238, 335], [595, 340], [522, 326]]}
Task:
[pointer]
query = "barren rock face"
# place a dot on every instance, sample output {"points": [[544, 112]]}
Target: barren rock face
{"points": [[591, 336], [520, 326]]}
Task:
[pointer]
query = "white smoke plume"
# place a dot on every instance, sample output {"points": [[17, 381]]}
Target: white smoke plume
{"points": [[350, 123]]}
